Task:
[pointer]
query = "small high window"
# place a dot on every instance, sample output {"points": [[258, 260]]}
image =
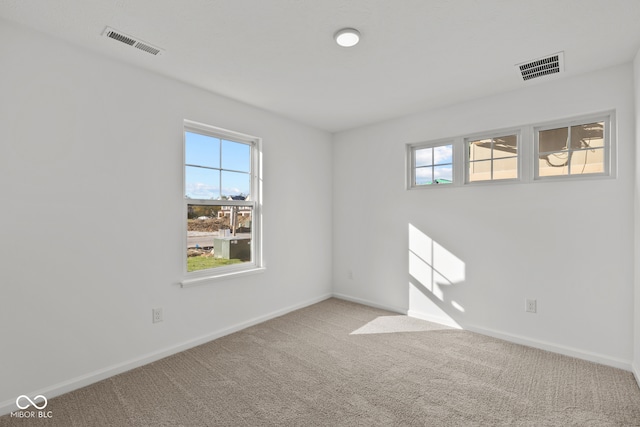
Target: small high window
{"points": [[581, 147], [573, 149], [431, 164], [492, 159]]}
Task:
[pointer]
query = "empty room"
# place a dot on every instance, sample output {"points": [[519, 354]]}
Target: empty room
{"points": [[332, 213]]}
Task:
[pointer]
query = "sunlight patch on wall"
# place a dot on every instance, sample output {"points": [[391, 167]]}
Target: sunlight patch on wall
{"points": [[457, 306], [433, 270], [431, 264]]}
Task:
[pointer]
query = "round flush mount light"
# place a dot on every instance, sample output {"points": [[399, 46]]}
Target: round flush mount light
{"points": [[347, 37]]}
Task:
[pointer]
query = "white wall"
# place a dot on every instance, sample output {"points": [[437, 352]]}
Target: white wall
{"points": [[91, 218], [567, 244], [636, 330]]}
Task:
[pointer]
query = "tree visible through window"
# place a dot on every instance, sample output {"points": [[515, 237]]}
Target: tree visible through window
{"points": [[576, 148], [433, 165]]}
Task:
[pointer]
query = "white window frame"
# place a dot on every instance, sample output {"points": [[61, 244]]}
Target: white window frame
{"points": [[528, 153], [411, 163], [490, 135], [609, 146], [256, 264]]}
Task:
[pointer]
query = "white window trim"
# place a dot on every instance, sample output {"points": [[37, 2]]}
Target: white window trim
{"points": [[527, 153], [256, 264], [204, 280]]}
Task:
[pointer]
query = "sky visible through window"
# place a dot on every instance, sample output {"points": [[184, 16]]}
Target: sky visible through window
{"points": [[216, 167], [434, 165]]}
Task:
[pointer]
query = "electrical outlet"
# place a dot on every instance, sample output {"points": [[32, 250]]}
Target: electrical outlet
{"points": [[530, 306], [157, 315]]}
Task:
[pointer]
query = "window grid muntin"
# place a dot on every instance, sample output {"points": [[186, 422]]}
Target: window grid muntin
{"points": [[220, 157], [433, 165], [606, 147], [492, 158]]}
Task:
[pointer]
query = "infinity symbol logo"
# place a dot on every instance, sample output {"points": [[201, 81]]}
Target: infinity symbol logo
{"points": [[31, 402]]}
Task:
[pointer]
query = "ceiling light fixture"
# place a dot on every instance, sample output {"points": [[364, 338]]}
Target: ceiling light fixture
{"points": [[347, 37]]}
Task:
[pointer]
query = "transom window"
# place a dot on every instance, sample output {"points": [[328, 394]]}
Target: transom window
{"points": [[490, 159], [578, 148], [221, 194], [574, 149], [432, 164]]}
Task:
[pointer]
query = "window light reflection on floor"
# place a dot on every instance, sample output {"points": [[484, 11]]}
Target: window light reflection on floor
{"points": [[394, 324]]}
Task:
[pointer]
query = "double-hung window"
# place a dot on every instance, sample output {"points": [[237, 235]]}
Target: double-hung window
{"points": [[221, 201]]}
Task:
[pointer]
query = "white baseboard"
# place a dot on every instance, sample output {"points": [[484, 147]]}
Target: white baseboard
{"points": [[517, 339], [554, 348], [101, 374], [84, 380], [636, 373], [371, 303]]}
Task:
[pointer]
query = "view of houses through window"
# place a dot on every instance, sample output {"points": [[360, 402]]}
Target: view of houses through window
{"points": [[493, 158], [434, 165], [220, 209], [571, 150]]}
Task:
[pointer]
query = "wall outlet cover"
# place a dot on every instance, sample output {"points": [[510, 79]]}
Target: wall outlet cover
{"points": [[531, 305], [157, 315]]}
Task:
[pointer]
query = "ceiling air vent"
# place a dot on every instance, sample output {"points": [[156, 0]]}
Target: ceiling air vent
{"points": [[549, 65], [131, 41]]}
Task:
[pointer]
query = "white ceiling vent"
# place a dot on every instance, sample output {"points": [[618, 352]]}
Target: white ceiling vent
{"points": [[131, 41], [549, 65]]}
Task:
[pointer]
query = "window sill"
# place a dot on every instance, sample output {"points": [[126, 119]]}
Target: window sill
{"points": [[204, 280]]}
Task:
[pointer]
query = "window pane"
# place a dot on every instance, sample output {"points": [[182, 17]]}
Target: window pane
{"points": [[202, 150], [236, 156], [505, 146], [201, 183], [587, 135], [552, 140], [443, 154], [218, 236], [442, 174], [480, 149], [235, 184], [424, 176], [575, 150], [424, 157], [480, 171], [505, 168], [553, 164], [587, 161]]}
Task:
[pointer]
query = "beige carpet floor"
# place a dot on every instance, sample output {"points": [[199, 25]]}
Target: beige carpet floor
{"points": [[342, 364]]}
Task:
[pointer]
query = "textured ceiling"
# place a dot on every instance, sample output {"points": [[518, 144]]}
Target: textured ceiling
{"points": [[279, 54]]}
